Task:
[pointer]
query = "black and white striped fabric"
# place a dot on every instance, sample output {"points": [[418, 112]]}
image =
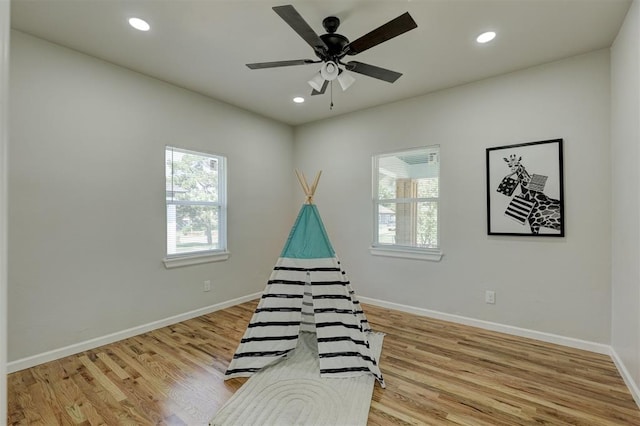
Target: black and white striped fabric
{"points": [[519, 209], [308, 295]]}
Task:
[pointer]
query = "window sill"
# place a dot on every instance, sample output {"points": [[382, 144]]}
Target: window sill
{"points": [[195, 259], [407, 253]]}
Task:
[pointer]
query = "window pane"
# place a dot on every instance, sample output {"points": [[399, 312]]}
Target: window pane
{"points": [[408, 174], [428, 187], [427, 229], [387, 223], [386, 186], [408, 224], [192, 228], [191, 177]]}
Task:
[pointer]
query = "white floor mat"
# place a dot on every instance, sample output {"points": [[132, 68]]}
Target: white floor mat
{"points": [[291, 392]]}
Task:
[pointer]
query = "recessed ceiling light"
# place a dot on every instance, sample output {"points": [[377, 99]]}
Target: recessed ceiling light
{"points": [[139, 24], [486, 37], [298, 100]]}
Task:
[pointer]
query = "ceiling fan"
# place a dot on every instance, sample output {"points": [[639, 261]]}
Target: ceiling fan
{"points": [[332, 47]]}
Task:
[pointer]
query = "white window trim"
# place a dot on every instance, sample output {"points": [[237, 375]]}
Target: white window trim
{"points": [[398, 251], [433, 255], [195, 258]]}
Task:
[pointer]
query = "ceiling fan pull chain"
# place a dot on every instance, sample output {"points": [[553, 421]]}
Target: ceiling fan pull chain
{"points": [[331, 106]]}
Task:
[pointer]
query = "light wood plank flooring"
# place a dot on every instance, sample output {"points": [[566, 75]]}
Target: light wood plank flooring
{"points": [[437, 373]]}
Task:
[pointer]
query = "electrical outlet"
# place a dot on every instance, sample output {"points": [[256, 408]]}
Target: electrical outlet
{"points": [[206, 286], [490, 296]]}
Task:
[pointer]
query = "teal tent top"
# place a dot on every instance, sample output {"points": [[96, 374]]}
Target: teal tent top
{"points": [[308, 238]]}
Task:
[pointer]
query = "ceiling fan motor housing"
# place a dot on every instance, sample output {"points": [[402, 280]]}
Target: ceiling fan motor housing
{"points": [[335, 42]]}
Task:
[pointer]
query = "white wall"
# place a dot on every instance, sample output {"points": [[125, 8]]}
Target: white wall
{"points": [[553, 285], [4, 104], [86, 197], [625, 141]]}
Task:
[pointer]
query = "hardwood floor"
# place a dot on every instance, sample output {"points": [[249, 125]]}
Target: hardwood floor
{"points": [[436, 373]]}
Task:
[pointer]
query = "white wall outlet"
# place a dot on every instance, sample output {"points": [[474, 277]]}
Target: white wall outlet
{"points": [[206, 286], [490, 296]]}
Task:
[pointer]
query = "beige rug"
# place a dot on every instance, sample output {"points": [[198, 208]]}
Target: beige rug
{"points": [[291, 392]]}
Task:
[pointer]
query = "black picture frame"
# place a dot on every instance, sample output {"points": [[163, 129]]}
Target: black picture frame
{"points": [[525, 189]]}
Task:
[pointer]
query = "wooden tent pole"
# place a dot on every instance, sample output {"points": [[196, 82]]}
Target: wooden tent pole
{"points": [[303, 183], [315, 183], [308, 191]]}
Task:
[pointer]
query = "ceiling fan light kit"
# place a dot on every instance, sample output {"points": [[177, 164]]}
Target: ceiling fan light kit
{"points": [[316, 82], [329, 70], [331, 48], [346, 79]]}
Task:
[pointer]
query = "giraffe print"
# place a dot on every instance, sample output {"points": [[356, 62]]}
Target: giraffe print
{"points": [[546, 211]]}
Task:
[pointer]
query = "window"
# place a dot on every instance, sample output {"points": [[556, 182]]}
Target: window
{"points": [[196, 207], [405, 197]]}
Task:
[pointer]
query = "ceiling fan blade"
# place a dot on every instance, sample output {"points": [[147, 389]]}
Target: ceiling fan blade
{"points": [[321, 92], [260, 65], [373, 71], [300, 26], [391, 29]]}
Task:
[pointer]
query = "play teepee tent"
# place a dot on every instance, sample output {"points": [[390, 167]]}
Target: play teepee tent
{"points": [[308, 292]]}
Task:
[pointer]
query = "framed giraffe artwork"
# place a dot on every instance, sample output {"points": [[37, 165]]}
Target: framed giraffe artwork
{"points": [[525, 195]]}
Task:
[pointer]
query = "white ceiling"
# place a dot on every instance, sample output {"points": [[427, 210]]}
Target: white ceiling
{"points": [[203, 45]]}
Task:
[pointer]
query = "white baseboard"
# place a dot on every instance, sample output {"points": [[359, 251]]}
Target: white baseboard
{"points": [[487, 325], [626, 376], [34, 360]]}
